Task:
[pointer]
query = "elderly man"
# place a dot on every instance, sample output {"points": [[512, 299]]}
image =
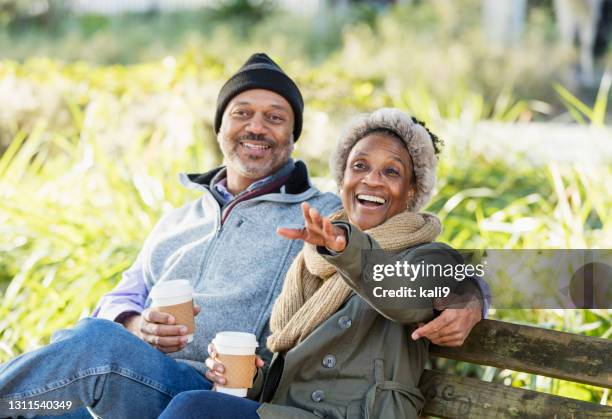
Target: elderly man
{"points": [[224, 243]]}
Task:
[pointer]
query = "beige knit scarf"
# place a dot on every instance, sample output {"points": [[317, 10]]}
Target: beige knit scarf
{"points": [[313, 290]]}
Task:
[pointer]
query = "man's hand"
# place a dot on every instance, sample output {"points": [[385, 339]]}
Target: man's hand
{"points": [[318, 231], [216, 369], [159, 329], [453, 325]]}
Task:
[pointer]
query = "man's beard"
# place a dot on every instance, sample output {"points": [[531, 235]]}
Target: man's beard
{"points": [[251, 166]]}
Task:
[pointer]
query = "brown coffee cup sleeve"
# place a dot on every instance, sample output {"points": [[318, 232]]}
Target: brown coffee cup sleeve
{"points": [[183, 314], [239, 370]]}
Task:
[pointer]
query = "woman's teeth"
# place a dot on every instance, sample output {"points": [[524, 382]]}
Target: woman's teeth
{"points": [[371, 198]]}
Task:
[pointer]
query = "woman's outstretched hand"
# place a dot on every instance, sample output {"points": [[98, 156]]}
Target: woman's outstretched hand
{"points": [[318, 231]]}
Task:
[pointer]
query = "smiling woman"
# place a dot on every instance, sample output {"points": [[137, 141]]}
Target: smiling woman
{"points": [[418, 157], [378, 181], [385, 168]]}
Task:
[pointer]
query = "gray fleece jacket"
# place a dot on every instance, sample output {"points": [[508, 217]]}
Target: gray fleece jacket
{"points": [[233, 257]]}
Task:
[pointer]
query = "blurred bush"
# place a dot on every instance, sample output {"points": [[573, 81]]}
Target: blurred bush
{"points": [[21, 13], [439, 44]]}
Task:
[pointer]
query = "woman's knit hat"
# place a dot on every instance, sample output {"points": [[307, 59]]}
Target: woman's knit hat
{"points": [[422, 146]]}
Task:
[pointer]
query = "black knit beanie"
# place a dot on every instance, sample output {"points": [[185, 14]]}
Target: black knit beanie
{"points": [[260, 72]]}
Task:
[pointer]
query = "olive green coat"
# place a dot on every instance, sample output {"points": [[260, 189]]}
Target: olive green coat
{"points": [[360, 363]]}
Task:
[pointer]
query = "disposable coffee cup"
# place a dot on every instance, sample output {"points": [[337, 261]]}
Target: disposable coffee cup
{"points": [[176, 298], [236, 350]]}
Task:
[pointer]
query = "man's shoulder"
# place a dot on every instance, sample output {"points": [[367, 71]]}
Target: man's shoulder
{"points": [[202, 206]]}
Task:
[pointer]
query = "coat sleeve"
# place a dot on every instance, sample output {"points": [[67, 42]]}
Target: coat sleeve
{"points": [[406, 310]]}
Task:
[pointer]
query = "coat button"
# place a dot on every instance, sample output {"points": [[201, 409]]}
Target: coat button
{"points": [[318, 396], [329, 361], [345, 322]]}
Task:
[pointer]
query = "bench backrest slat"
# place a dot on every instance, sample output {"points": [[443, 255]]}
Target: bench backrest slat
{"points": [[582, 359], [451, 396]]}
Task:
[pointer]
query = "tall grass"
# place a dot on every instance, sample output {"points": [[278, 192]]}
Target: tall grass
{"points": [[595, 115], [72, 217]]}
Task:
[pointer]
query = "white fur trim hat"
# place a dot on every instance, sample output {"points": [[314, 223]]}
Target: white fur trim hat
{"points": [[420, 142]]}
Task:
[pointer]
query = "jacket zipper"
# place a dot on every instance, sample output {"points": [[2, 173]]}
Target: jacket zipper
{"points": [[223, 216], [213, 244]]}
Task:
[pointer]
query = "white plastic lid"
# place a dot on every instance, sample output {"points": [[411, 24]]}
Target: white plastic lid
{"points": [[236, 339], [170, 289]]}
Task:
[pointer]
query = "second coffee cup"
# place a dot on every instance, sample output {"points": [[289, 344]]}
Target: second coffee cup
{"points": [[236, 350], [175, 297]]}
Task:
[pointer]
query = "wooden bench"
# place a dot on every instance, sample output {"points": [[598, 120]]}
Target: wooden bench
{"points": [[567, 356]]}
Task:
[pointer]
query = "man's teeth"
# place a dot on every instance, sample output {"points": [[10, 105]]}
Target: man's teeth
{"points": [[371, 198], [256, 146]]}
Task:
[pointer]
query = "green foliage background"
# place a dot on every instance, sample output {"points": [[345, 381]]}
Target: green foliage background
{"points": [[91, 143]]}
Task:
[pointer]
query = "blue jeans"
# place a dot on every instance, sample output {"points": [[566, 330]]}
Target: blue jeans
{"points": [[100, 365], [210, 405]]}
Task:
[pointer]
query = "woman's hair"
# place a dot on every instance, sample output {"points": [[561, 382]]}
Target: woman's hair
{"points": [[422, 145], [437, 142]]}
